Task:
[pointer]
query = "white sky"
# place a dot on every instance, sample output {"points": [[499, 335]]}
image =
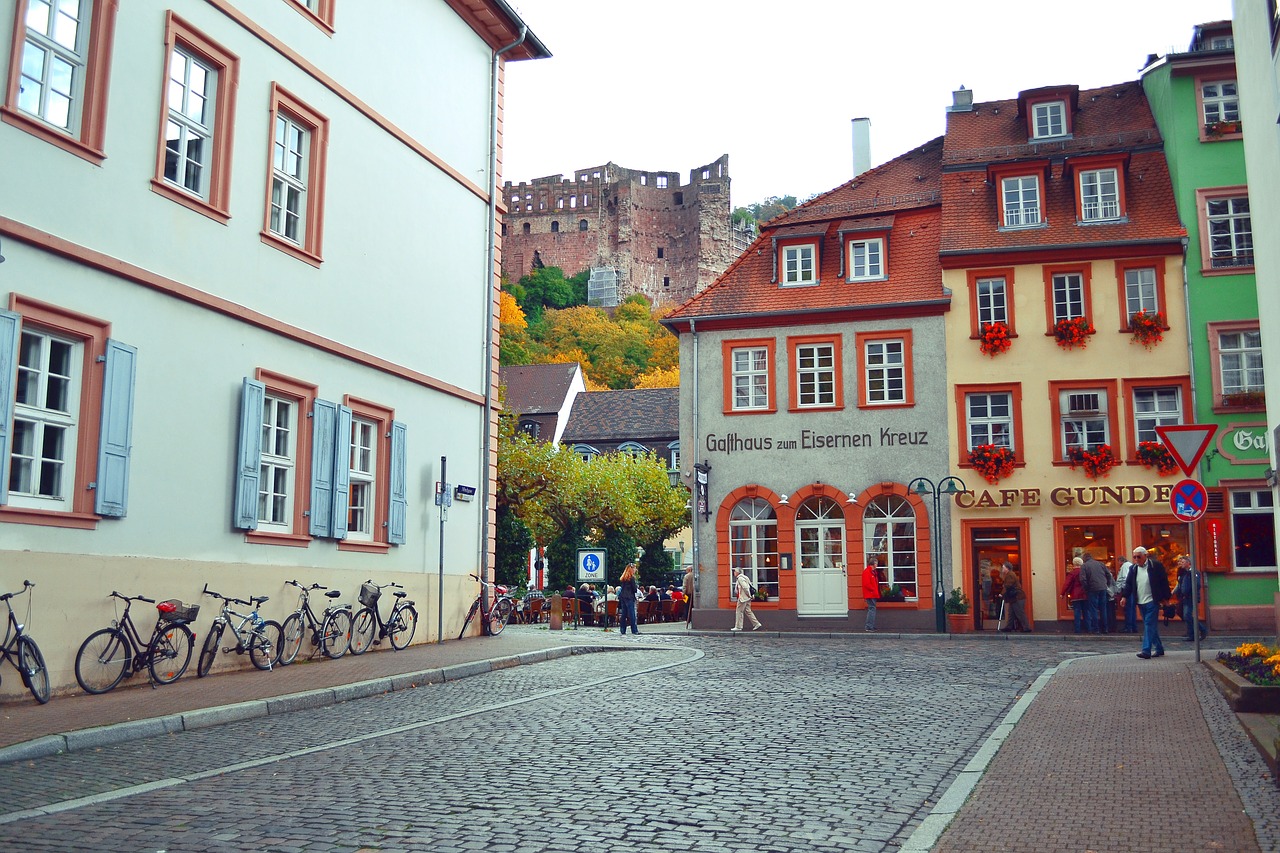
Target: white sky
{"points": [[667, 85]]}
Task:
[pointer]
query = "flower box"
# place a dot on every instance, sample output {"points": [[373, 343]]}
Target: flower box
{"points": [[1148, 329], [994, 339], [1097, 462], [1245, 400], [1222, 128], [1073, 333], [1153, 454], [1241, 694], [993, 461]]}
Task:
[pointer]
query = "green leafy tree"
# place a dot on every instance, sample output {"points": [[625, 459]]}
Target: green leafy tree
{"points": [[512, 547]]}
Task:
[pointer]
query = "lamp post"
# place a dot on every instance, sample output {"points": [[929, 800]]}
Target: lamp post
{"points": [[923, 486]]}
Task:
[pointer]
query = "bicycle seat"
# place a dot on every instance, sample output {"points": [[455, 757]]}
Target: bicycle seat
{"points": [[260, 599], [333, 593], [400, 594]]}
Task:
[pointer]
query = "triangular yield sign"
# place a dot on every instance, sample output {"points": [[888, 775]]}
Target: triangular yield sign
{"points": [[1186, 443]]}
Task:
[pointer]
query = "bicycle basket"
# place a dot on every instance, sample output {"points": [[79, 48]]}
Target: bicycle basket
{"points": [[174, 610], [369, 594]]}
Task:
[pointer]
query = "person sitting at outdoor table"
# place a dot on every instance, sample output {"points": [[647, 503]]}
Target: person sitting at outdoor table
{"points": [[586, 604], [652, 594], [666, 594], [676, 595]]}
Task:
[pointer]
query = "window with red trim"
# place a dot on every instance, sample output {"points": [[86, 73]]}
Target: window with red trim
{"points": [[1067, 294], [1084, 416], [1226, 230], [370, 475], [1140, 284], [816, 372], [991, 300], [887, 375], [284, 472], [989, 414], [1153, 402], [294, 213], [748, 376], [319, 12], [1235, 352]]}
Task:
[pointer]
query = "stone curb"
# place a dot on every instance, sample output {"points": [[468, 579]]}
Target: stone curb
{"points": [[201, 718]]}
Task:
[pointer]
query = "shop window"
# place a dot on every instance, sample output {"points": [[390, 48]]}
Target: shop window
{"points": [[889, 534], [1253, 529], [753, 545]]}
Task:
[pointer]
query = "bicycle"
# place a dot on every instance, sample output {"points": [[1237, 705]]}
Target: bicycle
{"points": [[111, 654], [261, 641], [399, 626], [22, 652], [499, 612], [331, 633]]}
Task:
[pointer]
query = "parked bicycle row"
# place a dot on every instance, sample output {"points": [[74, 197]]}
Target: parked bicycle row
{"points": [[112, 654]]}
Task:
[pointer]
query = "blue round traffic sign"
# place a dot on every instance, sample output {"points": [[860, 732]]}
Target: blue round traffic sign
{"points": [[1188, 500]]}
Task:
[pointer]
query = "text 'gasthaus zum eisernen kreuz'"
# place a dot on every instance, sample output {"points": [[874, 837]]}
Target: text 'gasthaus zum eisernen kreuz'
{"points": [[810, 440]]}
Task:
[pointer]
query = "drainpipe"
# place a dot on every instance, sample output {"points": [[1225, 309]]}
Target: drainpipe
{"points": [[486, 373], [693, 492]]}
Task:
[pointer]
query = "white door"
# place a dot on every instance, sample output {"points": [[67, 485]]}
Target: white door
{"points": [[822, 584]]}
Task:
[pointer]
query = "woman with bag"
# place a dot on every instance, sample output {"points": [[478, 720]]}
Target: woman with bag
{"points": [[1073, 590], [1015, 601]]}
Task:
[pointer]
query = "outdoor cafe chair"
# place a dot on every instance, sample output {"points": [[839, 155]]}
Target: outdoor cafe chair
{"points": [[534, 611]]}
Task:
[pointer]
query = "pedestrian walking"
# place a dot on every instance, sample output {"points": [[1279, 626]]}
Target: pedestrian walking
{"points": [[1148, 585], [1015, 601], [1129, 606], [871, 591], [1187, 579], [1094, 577], [627, 600], [1073, 591], [742, 592]]}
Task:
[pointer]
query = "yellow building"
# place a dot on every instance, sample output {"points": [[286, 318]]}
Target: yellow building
{"points": [[1066, 344]]}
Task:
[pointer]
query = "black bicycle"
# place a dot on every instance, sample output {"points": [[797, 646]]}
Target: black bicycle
{"points": [[110, 655], [499, 612], [22, 652], [331, 633], [255, 635], [367, 627]]}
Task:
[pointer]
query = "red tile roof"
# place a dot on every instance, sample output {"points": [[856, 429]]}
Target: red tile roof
{"points": [[1110, 120], [902, 195]]}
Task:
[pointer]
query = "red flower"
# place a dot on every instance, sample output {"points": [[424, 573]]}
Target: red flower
{"points": [[1152, 454], [993, 461], [1097, 462], [1148, 329], [994, 338], [1073, 333]]}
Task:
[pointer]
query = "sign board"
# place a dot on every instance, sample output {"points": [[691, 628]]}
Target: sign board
{"points": [[591, 564], [444, 495], [1186, 443], [1189, 500], [464, 493]]}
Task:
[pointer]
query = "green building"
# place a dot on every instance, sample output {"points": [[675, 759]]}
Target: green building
{"points": [[1194, 98]]}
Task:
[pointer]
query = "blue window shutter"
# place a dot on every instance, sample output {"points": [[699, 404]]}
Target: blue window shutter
{"points": [[323, 424], [10, 323], [341, 472], [115, 441], [249, 457], [396, 516]]}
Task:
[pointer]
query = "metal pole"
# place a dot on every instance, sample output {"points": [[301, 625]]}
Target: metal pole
{"points": [[444, 461], [940, 602]]}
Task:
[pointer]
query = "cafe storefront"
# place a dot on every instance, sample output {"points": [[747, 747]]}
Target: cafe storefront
{"points": [[1037, 531]]}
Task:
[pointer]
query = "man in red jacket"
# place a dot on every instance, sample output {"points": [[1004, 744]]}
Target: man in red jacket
{"points": [[871, 591]]}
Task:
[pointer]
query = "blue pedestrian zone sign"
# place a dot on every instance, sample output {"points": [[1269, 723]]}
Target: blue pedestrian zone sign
{"points": [[1188, 500], [591, 565]]}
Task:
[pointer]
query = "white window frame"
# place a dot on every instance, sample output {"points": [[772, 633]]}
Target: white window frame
{"points": [[753, 545], [1068, 296], [1221, 100], [183, 131], [815, 375], [290, 168], [34, 422], [1240, 357], [1229, 226], [1083, 427], [886, 371], [1140, 292], [992, 294], [866, 259], [1153, 407], [1020, 200], [1048, 120], [50, 49], [889, 533], [1099, 195], [362, 492], [798, 268], [749, 371], [984, 424], [277, 468]]}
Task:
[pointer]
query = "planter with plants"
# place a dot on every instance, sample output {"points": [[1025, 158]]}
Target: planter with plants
{"points": [[1153, 454], [1148, 328], [1072, 333], [1222, 128], [957, 609], [993, 461], [1245, 400], [994, 339], [893, 593], [1097, 462], [1249, 678]]}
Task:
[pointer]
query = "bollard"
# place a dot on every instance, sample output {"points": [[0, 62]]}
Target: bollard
{"points": [[557, 613]]}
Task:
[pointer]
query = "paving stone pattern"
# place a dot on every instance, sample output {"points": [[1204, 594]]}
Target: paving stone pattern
{"points": [[775, 745]]}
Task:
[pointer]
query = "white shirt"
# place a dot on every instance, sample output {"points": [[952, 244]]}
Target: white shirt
{"points": [[1144, 583]]}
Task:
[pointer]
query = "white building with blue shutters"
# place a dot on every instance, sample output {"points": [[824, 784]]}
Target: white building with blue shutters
{"points": [[247, 302]]}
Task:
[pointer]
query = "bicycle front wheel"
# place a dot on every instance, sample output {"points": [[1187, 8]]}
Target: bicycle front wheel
{"points": [[264, 645], [291, 634], [499, 616], [363, 627], [34, 673], [169, 654], [403, 623], [335, 634], [102, 659], [209, 651]]}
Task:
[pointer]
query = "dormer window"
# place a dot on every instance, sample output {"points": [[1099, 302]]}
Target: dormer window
{"points": [[1020, 197], [1099, 195], [798, 266], [866, 259], [1048, 119]]}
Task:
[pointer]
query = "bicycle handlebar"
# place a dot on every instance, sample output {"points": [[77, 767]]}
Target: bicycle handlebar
{"points": [[115, 594], [229, 599], [308, 588], [384, 585], [26, 584]]}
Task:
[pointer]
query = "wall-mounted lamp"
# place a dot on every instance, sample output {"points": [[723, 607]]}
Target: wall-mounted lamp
{"points": [[1088, 535], [784, 501], [1164, 533], [853, 499]]}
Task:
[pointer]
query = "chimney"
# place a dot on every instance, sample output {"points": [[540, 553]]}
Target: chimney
{"points": [[861, 145], [961, 100]]}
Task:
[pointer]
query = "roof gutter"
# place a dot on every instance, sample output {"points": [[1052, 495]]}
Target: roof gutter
{"points": [[674, 324]]}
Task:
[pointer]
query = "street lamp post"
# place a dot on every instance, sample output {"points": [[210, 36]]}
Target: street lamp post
{"points": [[923, 486]]}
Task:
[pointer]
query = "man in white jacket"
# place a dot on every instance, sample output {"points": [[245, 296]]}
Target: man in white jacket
{"points": [[742, 592]]}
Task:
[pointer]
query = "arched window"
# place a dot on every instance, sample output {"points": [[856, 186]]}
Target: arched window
{"points": [[582, 225], [753, 544], [530, 428], [586, 451], [889, 533], [820, 532], [555, 226], [525, 228], [673, 454], [633, 449]]}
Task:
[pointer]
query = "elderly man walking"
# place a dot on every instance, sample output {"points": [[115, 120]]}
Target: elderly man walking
{"points": [[742, 594], [1148, 585]]}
